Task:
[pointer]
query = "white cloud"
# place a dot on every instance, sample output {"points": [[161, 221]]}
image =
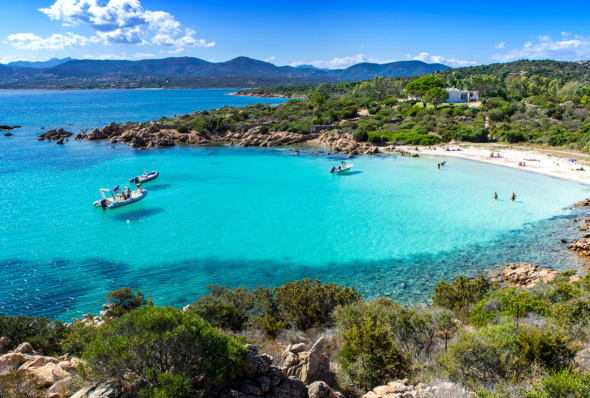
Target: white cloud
{"points": [[500, 45], [270, 59], [121, 56], [566, 49], [125, 22], [340, 63], [438, 59], [58, 41]]}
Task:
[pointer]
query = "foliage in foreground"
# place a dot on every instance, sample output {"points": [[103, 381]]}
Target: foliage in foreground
{"points": [[300, 305], [163, 349]]}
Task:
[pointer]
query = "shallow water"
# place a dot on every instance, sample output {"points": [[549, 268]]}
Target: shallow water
{"points": [[254, 216]]}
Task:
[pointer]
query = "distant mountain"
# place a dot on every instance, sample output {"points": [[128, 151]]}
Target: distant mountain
{"points": [[188, 72], [308, 66], [366, 70], [38, 64]]}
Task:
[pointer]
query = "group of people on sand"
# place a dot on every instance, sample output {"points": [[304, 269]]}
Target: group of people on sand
{"points": [[513, 196], [522, 164], [452, 150], [495, 156]]}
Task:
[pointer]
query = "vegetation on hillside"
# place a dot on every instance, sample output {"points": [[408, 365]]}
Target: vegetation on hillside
{"points": [[540, 102], [496, 342]]}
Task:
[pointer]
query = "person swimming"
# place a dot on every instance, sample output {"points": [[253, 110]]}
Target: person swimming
{"points": [[513, 196], [495, 195]]}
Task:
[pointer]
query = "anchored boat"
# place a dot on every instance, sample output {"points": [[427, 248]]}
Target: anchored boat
{"points": [[343, 168], [145, 177], [110, 200]]}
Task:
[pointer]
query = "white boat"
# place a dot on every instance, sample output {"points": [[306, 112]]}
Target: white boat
{"points": [[145, 177], [111, 200], [343, 169]]}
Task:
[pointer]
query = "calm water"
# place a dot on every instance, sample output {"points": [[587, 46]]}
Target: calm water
{"points": [[246, 216]]}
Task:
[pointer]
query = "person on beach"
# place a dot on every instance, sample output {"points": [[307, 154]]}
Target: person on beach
{"points": [[492, 154], [513, 196], [495, 195]]}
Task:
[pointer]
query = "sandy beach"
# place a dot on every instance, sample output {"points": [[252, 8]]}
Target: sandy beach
{"points": [[551, 162]]}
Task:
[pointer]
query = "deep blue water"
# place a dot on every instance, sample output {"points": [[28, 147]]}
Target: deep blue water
{"points": [[246, 216]]}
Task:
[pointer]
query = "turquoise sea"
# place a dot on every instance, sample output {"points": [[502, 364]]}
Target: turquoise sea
{"points": [[247, 216]]}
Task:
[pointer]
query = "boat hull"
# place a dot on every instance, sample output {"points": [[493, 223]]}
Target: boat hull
{"points": [[112, 205], [145, 177], [343, 171]]}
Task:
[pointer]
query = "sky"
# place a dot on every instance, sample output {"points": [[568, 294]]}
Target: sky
{"points": [[326, 34]]}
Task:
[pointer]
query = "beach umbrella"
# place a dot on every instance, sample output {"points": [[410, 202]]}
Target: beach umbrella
{"points": [[572, 160]]}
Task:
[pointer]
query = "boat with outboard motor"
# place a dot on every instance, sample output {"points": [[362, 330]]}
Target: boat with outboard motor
{"points": [[343, 168], [145, 177], [111, 199]]}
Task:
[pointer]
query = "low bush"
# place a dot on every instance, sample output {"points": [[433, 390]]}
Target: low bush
{"points": [[361, 136], [462, 292], [513, 302], [165, 350], [42, 333], [370, 356]]}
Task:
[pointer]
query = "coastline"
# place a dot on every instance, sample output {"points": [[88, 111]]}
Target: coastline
{"points": [[553, 163]]}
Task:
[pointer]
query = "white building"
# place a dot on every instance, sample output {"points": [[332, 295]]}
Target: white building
{"points": [[462, 96]]}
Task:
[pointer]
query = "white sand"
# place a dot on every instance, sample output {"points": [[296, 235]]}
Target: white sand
{"points": [[553, 163]]}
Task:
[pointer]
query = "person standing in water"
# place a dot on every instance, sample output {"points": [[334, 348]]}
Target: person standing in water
{"points": [[495, 195], [439, 166], [513, 196]]}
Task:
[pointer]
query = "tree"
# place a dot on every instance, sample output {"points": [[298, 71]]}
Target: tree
{"points": [[418, 88], [124, 300], [436, 96]]}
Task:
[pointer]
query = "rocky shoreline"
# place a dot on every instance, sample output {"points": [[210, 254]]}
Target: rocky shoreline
{"points": [[270, 95], [167, 135]]}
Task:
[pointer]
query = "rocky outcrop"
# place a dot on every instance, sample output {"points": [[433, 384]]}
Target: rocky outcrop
{"points": [[527, 275], [5, 127], [259, 378], [49, 371], [55, 135], [403, 389], [583, 203], [308, 366], [106, 389]]}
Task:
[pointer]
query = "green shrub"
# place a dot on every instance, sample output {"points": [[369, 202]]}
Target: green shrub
{"points": [[571, 312], [219, 312], [488, 355], [42, 333], [462, 292], [375, 136], [370, 357], [547, 347], [562, 384], [165, 349], [183, 129], [15, 384], [124, 300], [361, 136], [512, 302], [263, 130], [306, 304]]}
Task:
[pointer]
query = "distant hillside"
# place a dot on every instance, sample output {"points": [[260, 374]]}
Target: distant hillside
{"points": [[187, 72], [568, 71], [365, 70], [38, 64]]}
